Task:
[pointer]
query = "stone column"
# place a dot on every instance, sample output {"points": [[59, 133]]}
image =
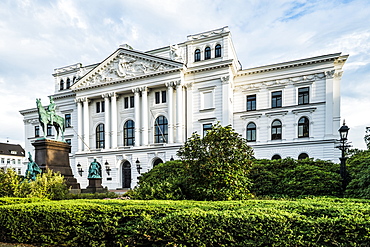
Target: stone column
{"points": [[169, 86], [179, 112], [114, 119], [226, 101], [189, 109], [79, 125], [136, 92], [144, 111], [106, 120], [86, 124]]}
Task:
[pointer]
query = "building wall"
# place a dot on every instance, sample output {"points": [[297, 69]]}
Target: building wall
{"points": [[198, 93]]}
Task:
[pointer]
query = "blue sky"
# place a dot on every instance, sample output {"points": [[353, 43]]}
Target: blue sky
{"points": [[38, 36]]}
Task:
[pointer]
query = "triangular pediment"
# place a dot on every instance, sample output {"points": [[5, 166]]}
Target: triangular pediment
{"points": [[125, 64]]}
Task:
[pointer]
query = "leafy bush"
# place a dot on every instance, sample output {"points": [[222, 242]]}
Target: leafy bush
{"points": [[359, 171], [303, 222], [164, 182], [217, 165], [49, 185], [293, 178]]}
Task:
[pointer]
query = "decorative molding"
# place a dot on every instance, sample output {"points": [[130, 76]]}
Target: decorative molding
{"points": [[276, 113], [209, 34], [310, 110], [255, 115], [225, 79], [329, 74]]}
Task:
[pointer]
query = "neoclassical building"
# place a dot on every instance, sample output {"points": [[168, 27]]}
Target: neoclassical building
{"points": [[135, 109]]}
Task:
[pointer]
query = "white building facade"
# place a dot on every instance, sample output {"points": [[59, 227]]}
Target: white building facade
{"points": [[13, 156], [138, 108]]}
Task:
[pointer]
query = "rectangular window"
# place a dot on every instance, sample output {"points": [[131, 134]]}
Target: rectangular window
{"points": [[102, 106], [157, 97], [303, 95], [276, 99], [49, 131], [37, 131], [206, 128], [164, 100], [19, 161], [19, 171], [132, 102], [2, 160], [126, 102], [67, 118], [97, 107], [251, 102]]}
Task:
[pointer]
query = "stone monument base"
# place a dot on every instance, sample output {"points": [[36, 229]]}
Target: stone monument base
{"points": [[94, 186], [54, 155]]}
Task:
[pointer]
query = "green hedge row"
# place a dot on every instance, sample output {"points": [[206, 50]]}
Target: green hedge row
{"points": [[303, 222]]}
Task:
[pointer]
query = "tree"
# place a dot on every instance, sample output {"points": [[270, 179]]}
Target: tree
{"points": [[367, 137], [217, 165], [359, 172]]}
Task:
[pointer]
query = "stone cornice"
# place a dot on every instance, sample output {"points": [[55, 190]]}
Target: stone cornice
{"points": [[296, 63], [208, 66]]}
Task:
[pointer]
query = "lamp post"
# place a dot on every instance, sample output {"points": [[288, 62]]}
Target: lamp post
{"points": [[79, 169], [107, 167], [138, 167], [343, 131]]}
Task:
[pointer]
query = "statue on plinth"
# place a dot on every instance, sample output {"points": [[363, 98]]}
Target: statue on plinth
{"points": [[32, 169], [48, 116]]}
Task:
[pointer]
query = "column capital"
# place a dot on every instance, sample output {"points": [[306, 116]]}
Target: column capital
{"points": [[105, 95], [144, 89], [225, 79], [136, 90], [188, 85], [329, 74], [113, 94]]}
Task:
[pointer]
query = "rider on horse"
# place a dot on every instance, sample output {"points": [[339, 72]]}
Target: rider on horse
{"points": [[51, 110]]}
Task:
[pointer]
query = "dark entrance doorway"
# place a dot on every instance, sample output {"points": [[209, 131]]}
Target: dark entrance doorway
{"points": [[157, 162], [126, 175]]}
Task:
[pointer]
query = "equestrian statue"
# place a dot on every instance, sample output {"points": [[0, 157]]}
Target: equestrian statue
{"points": [[48, 116]]}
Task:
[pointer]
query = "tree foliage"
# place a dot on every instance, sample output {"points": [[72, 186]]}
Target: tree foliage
{"points": [[217, 165]]}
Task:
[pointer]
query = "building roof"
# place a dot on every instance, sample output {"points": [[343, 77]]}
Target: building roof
{"points": [[11, 149]]}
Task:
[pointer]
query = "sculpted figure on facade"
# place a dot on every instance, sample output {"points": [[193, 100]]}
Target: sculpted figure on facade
{"points": [[176, 53]]}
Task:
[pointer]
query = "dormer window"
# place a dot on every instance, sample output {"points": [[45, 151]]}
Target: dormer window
{"points": [[207, 53], [197, 55], [61, 85], [218, 50]]}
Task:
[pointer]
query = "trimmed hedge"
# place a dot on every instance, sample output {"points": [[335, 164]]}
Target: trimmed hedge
{"points": [[303, 222]]}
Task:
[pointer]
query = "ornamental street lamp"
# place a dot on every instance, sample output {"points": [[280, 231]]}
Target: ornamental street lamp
{"points": [[107, 167], [79, 169], [343, 131], [138, 167]]}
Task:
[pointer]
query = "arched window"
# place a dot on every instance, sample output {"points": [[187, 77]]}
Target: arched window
{"points": [[276, 130], [276, 157], [129, 133], [197, 55], [303, 127], [100, 139], [61, 85], [157, 162], [251, 132], [218, 50], [161, 130], [126, 175], [74, 80], [207, 53], [68, 84], [303, 156]]}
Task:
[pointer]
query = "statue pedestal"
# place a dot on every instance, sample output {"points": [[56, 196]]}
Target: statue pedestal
{"points": [[54, 155], [94, 186]]}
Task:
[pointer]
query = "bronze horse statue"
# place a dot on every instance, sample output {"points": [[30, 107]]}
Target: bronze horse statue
{"points": [[44, 119]]}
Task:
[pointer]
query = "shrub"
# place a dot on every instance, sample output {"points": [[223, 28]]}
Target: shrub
{"points": [[293, 178], [302, 222], [164, 182], [9, 182], [359, 173]]}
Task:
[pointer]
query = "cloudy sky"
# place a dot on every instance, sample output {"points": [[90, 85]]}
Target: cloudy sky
{"points": [[37, 36]]}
